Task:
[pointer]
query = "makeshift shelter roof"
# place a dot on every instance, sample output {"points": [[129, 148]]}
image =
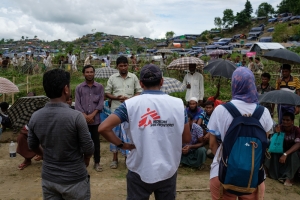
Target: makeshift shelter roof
{"points": [[259, 47]]}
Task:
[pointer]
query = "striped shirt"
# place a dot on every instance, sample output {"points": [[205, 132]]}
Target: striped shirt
{"points": [[292, 85]]}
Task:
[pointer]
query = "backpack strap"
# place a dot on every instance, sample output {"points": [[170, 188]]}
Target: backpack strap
{"points": [[232, 109], [258, 112]]}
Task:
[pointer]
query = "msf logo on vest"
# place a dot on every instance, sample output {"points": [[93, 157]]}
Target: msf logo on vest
{"points": [[148, 118]]}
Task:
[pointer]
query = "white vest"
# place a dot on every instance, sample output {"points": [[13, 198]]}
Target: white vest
{"points": [[156, 124]]}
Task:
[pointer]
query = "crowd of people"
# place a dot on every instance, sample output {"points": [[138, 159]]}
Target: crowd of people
{"points": [[130, 113]]}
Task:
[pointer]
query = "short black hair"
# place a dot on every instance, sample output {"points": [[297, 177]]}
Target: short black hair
{"points": [[266, 75], [86, 67], [289, 114], [286, 66], [4, 105], [151, 84], [121, 59], [251, 58], [54, 82], [209, 103], [257, 58]]}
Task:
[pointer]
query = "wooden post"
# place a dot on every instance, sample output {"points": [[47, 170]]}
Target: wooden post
{"points": [[27, 84], [13, 95]]}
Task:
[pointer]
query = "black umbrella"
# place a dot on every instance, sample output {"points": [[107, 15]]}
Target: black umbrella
{"points": [[283, 56], [280, 97], [20, 112], [220, 67]]}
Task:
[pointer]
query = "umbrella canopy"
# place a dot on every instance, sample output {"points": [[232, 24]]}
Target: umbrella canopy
{"points": [[217, 52], [220, 67], [20, 112], [283, 56], [166, 51], [6, 86], [183, 63], [172, 85], [280, 97], [105, 72]]}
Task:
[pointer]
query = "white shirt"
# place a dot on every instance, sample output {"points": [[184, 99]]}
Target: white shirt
{"points": [[15, 61], [197, 86], [107, 61], [87, 61], [73, 59], [221, 119], [158, 144]]}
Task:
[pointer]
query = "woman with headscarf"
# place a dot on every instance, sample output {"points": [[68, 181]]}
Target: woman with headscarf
{"points": [[245, 99]]}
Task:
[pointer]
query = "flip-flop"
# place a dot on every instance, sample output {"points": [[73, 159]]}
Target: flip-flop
{"points": [[23, 166], [288, 184]]}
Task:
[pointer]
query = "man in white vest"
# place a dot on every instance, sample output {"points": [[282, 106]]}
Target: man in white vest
{"points": [[157, 127]]}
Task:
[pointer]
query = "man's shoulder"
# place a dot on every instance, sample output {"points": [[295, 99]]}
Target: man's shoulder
{"points": [[131, 75], [98, 84]]}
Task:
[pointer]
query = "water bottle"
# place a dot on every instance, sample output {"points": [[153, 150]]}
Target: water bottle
{"points": [[12, 150]]}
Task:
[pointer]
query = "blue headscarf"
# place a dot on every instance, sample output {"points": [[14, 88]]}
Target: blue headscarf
{"points": [[243, 86]]}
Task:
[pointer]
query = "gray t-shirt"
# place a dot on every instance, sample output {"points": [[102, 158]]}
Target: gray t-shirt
{"points": [[64, 136]]}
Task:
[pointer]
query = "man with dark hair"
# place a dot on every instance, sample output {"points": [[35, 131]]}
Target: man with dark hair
{"points": [[60, 135], [259, 67], [266, 87], [287, 83], [89, 100], [120, 87], [5, 63], [157, 137]]}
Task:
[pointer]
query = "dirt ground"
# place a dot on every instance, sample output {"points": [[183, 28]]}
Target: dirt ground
{"points": [[111, 183]]}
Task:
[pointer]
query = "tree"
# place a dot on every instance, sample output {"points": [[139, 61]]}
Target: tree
{"points": [[292, 6], [22, 37], [228, 17], [248, 9], [242, 19], [280, 34], [264, 9], [35, 37], [169, 34], [218, 22], [117, 44]]}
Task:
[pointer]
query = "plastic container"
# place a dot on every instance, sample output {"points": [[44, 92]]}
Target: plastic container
{"points": [[12, 150]]}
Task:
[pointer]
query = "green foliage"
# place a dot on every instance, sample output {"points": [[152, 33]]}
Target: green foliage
{"points": [[292, 6], [116, 44], [280, 33], [218, 22], [169, 34], [248, 9], [69, 47], [104, 50], [204, 38], [228, 17], [242, 19], [264, 9]]}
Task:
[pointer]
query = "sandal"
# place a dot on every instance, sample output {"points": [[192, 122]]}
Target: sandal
{"points": [[98, 168], [288, 184], [38, 158], [23, 165], [114, 164]]}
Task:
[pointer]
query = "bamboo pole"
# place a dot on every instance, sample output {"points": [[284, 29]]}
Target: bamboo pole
{"points": [[13, 95]]}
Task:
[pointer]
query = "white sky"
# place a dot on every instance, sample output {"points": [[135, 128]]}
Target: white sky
{"points": [[70, 19]]}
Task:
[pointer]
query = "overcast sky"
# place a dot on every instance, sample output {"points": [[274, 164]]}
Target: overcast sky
{"points": [[70, 19]]}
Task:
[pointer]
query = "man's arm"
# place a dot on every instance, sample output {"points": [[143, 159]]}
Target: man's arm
{"points": [[105, 129], [137, 87], [33, 141], [201, 88], [85, 142], [213, 144], [77, 100], [218, 92]]}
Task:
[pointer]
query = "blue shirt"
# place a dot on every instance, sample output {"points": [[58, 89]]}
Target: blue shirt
{"points": [[122, 113], [196, 114]]}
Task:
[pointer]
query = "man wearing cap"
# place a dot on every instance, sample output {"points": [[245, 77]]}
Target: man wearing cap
{"points": [[156, 136], [193, 109], [121, 86], [287, 83], [194, 84], [107, 61]]}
